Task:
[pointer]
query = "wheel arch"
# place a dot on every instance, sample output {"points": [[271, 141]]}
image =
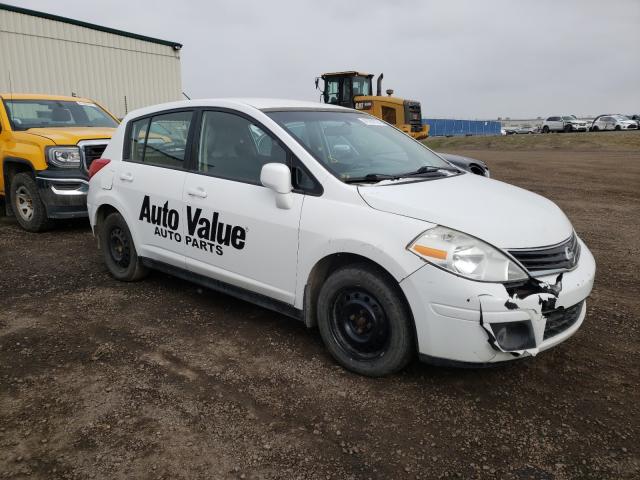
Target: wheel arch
{"points": [[329, 264], [102, 212], [11, 166]]}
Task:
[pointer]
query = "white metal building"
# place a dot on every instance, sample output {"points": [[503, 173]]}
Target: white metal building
{"points": [[43, 53]]}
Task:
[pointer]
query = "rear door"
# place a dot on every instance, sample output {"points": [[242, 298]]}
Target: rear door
{"points": [[234, 232], [150, 180]]}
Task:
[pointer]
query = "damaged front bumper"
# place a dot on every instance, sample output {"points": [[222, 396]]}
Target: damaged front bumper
{"points": [[464, 321]]}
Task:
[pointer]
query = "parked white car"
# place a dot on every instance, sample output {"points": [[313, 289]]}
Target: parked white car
{"points": [[335, 218], [567, 123], [613, 122]]}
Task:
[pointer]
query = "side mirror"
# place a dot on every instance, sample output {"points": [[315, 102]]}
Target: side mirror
{"points": [[277, 177]]}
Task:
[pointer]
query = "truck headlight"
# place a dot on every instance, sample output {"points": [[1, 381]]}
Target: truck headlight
{"points": [[64, 157], [465, 255]]}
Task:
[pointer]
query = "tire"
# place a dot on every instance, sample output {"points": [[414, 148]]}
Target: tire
{"points": [[545, 129], [567, 129], [27, 204], [617, 128], [381, 340], [119, 251], [477, 170], [595, 129]]}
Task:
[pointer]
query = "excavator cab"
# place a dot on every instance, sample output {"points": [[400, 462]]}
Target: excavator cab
{"points": [[354, 90]]}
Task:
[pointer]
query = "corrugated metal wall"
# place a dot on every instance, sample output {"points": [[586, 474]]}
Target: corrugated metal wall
{"points": [[449, 127], [45, 56]]}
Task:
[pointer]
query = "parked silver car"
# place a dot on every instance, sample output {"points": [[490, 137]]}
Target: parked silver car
{"points": [[566, 123]]}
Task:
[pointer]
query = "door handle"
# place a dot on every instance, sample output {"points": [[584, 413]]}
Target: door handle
{"points": [[197, 192], [127, 177]]}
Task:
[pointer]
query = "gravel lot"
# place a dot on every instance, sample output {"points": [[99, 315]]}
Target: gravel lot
{"points": [[162, 379]]}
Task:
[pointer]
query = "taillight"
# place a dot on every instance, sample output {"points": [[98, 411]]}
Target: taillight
{"points": [[97, 165]]}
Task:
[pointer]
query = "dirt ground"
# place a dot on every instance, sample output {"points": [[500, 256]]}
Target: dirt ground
{"points": [[163, 379]]}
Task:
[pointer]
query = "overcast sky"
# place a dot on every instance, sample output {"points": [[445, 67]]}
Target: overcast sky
{"points": [[461, 59]]}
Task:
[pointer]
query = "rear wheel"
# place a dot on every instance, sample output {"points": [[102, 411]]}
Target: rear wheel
{"points": [[119, 250], [27, 204], [545, 129], [595, 128], [364, 321]]}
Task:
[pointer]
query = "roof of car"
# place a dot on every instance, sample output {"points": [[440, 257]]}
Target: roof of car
{"points": [[41, 96], [264, 104]]}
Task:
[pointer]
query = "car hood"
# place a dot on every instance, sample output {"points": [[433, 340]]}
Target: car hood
{"points": [[72, 135], [501, 214]]}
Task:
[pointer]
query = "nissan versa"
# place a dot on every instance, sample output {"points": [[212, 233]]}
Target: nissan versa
{"points": [[334, 217]]}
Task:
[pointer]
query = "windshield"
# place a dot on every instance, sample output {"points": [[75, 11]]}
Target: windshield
{"points": [[26, 114], [621, 117], [353, 145]]}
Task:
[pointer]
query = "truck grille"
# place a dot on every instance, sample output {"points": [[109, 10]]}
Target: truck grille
{"points": [[91, 153], [560, 319], [563, 256]]}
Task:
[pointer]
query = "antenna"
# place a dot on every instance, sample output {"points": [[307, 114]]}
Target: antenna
{"points": [[12, 104]]}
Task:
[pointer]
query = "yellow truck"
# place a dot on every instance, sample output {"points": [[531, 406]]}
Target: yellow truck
{"points": [[353, 89], [47, 144]]}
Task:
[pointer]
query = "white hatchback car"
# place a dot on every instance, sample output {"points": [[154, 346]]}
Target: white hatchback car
{"points": [[336, 218], [613, 122]]}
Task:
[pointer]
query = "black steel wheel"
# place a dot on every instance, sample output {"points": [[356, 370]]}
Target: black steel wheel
{"points": [[364, 320], [119, 250], [119, 247], [359, 324]]}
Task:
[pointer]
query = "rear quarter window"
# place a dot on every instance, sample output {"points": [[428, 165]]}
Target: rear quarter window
{"points": [[160, 140]]}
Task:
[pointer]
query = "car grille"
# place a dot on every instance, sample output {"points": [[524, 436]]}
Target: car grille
{"points": [[563, 256], [560, 319], [91, 153]]}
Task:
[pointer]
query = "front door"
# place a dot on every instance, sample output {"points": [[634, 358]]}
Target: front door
{"points": [[150, 180], [234, 232]]}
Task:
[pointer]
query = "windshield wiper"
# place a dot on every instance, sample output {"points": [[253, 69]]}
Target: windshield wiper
{"points": [[378, 177], [428, 169], [371, 178]]}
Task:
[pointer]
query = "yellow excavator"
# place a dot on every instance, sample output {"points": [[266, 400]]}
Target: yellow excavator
{"points": [[354, 90]]}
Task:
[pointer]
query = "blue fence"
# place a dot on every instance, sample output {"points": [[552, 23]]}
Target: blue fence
{"points": [[439, 127]]}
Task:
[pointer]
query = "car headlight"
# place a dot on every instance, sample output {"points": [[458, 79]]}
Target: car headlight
{"points": [[65, 157], [466, 256]]}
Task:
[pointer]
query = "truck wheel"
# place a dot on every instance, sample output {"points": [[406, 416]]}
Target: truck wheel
{"points": [[364, 321], [27, 205], [545, 129], [119, 251]]}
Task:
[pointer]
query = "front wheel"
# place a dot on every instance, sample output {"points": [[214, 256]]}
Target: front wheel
{"points": [[364, 321], [545, 129], [119, 250], [27, 204], [567, 129]]}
